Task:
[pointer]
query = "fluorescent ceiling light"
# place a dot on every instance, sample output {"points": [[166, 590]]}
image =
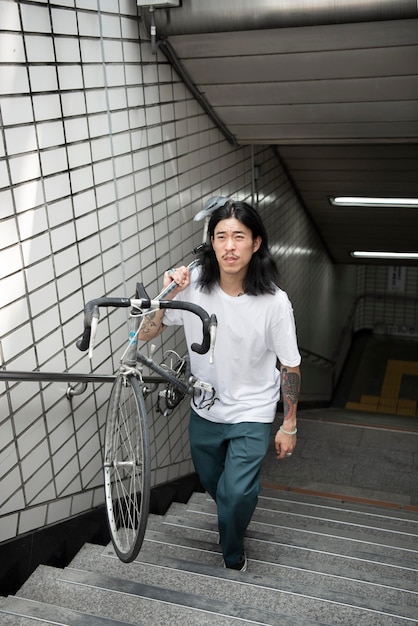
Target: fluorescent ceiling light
{"points": [[409, 203], [359, 254]]}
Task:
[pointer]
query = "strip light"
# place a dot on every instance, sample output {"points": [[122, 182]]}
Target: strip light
{"points": [[402, 203], [360, 254]]}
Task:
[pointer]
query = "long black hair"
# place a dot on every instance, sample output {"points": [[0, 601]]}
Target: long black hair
{"points": [[262, 276]]}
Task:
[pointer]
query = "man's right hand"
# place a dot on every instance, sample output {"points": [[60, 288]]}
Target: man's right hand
{"points": [[180, 275]]}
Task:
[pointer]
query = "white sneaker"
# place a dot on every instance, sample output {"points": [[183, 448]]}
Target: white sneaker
{"points": [[241, 566]]}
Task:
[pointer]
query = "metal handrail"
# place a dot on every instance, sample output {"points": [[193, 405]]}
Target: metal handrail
{"points": [[317, 358], [55, 377], [67, 377]]}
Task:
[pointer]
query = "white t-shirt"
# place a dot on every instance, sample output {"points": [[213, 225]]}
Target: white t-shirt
{"points": [[253, 331]]}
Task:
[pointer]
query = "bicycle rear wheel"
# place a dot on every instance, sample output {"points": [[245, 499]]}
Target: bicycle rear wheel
{"points": [[127, 467]]}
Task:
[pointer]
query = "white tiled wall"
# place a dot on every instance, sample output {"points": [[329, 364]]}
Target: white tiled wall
{"points": [[104, 159], [384, 304]]}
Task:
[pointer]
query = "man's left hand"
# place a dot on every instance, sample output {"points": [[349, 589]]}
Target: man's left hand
{"points": [[285, 444]]}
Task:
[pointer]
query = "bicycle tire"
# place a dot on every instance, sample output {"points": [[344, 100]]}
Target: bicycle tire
{"points": [[127, 467]]}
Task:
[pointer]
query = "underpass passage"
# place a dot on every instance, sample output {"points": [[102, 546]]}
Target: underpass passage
{"points": [[380, 375]]}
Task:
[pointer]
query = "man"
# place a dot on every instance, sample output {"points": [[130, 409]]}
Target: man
{"points": [[238, 281]]}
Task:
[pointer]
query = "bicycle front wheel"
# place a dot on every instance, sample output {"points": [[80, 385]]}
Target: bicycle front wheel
{"points": [[127, 467]]}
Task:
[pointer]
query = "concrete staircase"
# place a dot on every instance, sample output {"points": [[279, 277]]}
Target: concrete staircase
{"points": [[311, 561]]}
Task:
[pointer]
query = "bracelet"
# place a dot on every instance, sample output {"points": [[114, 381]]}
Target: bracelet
{"points": [[287, 432]]}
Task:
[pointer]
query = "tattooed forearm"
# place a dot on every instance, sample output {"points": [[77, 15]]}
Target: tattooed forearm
{"points": [[152, 326], [290, 384]]}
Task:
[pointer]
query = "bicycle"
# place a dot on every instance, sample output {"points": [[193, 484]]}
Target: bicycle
{"points": [[127, 459]]}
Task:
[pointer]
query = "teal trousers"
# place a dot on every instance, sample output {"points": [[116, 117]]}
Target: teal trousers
{"points": [[228, 459]]}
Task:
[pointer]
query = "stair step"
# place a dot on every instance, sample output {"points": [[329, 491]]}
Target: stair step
{"points": [[384, 511], [186, 575], [342, 514], [405, 536], [197, 550], [334, 500], [16, 611]]}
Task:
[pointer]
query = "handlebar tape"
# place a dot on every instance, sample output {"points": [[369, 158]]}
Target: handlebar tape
{"points": [[92, 310], [207, 322]]}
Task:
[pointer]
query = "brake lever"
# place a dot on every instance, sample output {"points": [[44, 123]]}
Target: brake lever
{"points": [[212, 333], [94, 327]]}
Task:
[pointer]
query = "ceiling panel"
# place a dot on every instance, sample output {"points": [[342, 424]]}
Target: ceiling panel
{"points": [[339, 103], [297, 39], [338, 113], [316, 133], [369, 89], [313, 65]]}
